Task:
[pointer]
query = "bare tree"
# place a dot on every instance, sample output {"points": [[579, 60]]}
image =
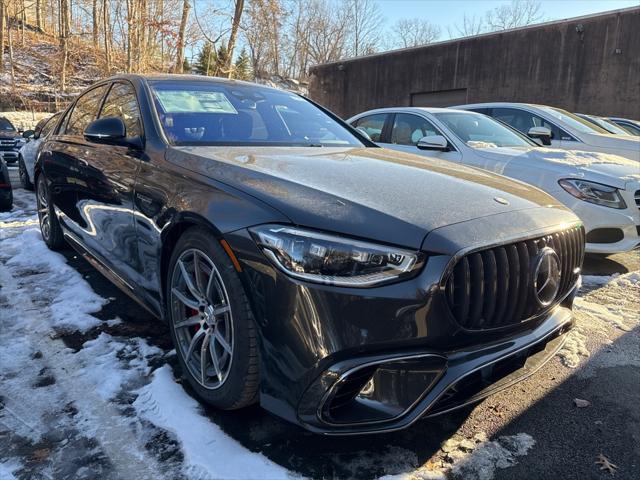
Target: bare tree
{"points": [[471, 25], [518, 13], [412, 32], [235, 25], [365, 23], [179, 66]]}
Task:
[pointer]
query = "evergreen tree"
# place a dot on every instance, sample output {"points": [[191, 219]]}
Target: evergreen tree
{"points": [[186, 66], [207, 61], [243, 66], [221, 63]]}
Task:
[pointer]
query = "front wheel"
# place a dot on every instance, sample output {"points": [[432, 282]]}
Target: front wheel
{"points": [[24, 175], [49, 225], [211, 323]]}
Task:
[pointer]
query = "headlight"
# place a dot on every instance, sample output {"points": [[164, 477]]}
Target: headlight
{"points": [[332, 260], [594, 192]]}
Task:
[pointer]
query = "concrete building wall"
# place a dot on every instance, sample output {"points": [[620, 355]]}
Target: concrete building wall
{"points": [[588, 65]]}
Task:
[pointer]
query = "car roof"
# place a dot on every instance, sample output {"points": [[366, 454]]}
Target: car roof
{"points": [[135, 77], [501, 104], [415, 110]]}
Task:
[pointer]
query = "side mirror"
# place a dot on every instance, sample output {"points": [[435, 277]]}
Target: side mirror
{"points": [[363, 132], [29, 134], [540, 133], [433, 142], [109, 131]]}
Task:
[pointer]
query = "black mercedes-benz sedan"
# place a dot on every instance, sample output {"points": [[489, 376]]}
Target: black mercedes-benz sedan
{"points": [[345, 287]]}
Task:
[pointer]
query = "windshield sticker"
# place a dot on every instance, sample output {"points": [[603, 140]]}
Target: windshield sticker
{"points": [[179, 101]]}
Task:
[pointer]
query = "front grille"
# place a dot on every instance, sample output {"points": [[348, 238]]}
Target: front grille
{"points": [[493, 288], [7, 145]]}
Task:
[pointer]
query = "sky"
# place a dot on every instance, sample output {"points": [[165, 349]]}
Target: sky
{"points": [[447, 13]]}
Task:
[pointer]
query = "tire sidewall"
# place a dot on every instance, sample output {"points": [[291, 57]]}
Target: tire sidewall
{"points": [[231, 390]]}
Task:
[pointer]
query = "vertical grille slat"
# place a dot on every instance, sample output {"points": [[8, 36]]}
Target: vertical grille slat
{"points": [[502, 264], [477, 289], [523, 257], [514, 283], [490, 285], [493, 288], [462, 291]]}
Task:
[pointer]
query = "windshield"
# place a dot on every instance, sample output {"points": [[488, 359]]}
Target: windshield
{"points": [[208, 113], [5, 125], [573, 121], [610, 126], [480, 131]]}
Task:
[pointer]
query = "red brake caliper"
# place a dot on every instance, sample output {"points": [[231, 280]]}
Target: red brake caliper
{"points": [[190, 313]]}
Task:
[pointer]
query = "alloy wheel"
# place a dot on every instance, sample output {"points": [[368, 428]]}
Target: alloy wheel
{"points": [[43, 209], [202, 318]]}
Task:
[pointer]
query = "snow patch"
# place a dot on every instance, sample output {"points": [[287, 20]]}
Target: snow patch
{"points": [[574, 347], [208, 451], [7, 470], [110, 364], [476, 459], [72, 301]]}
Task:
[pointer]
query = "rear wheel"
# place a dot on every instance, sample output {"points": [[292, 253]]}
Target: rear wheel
{"points": [[211, 323], [6, 201], [49, 225], [24, 176]]}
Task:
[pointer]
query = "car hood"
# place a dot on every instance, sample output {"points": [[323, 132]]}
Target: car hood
{"points": [[595, 166], [9, 134], [372, 193]]}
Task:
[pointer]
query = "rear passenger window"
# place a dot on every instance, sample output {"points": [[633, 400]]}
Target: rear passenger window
{"points": [[121, 102], [372, 124], [85, 111]]}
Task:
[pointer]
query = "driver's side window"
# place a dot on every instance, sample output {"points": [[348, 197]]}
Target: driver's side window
{"points": [[409, 129], [523, 121]]}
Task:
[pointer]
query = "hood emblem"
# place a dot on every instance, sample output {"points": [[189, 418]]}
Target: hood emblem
{"points": [[546, 276], [501, 200]]}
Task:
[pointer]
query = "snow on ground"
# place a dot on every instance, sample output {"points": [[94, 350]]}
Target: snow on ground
{"points": [[472, 459], [609, 310], [163, 403]]}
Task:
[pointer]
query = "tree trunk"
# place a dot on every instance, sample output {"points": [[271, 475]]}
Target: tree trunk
{"points": [[237, 16], [2, 34], [9, 34], [105, 23], [64, 29], [96, 23], [179, 66], [39, 15]]}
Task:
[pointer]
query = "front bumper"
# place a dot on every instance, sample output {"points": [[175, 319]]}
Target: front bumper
{"points": [[608, 230], [453, 379], [412, 358]]}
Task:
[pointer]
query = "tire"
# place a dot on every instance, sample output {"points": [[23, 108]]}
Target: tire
{"points": [[6, 204], [24, 176], [211, 310], [49, 225]]}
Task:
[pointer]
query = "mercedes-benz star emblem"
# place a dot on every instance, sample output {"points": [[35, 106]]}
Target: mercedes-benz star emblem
{"points": [[546, 276]]}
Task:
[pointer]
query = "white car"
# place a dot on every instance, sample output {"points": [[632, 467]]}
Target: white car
{"points": [[28, 152], [558, 128], [602, 189]]}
